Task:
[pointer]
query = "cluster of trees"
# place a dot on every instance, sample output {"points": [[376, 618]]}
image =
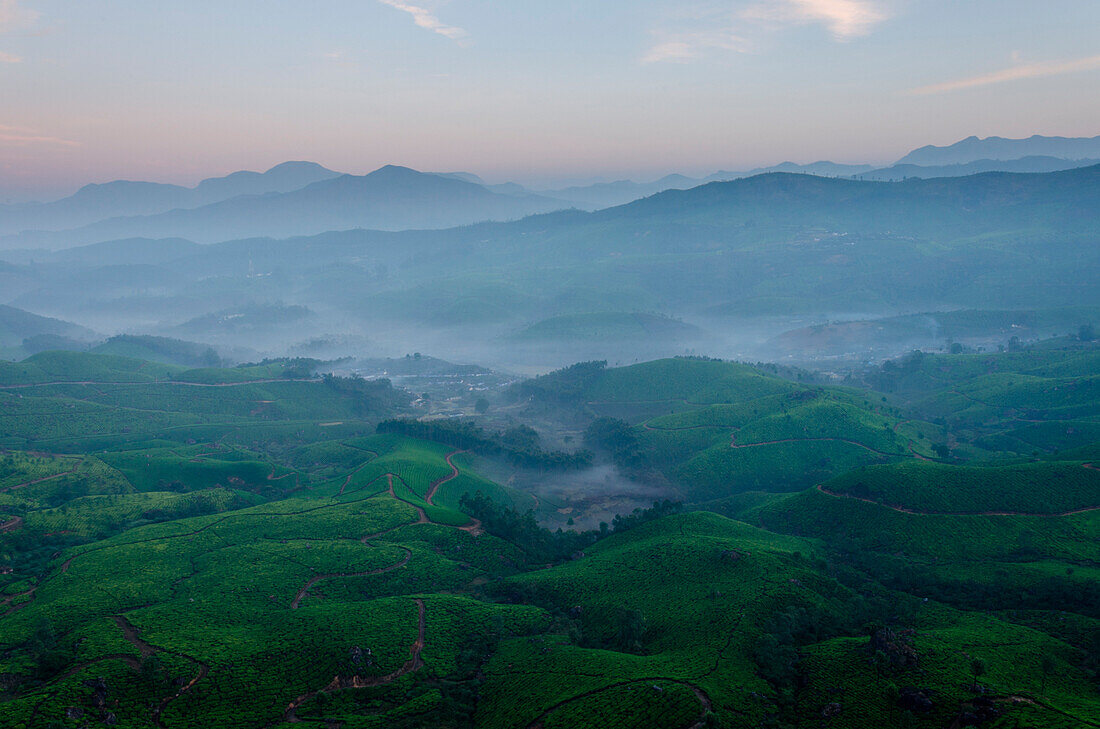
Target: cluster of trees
{"points": [[369, 397], [544, 546], [48, 652], [519, 444], [1049, 593], [638, 517], [539, 543], [893, 373], [617, 438], [607, 627], [199, 504], [179, 351], [566, 386]]}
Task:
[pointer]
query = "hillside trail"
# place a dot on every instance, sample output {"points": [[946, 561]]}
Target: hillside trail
{"points": [[348, 479], [413, 664], [735, 444], [701, 695], [1029, 699], [67, 563], [474, 527], [659, 429], [317, 578], [32, 482], [421, 515], [439, 482], [914, 512], [1008, 412], [146, 649], [11, 525], [8, 600], [910, 443]]}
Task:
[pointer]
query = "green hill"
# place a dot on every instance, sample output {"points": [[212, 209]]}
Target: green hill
{"points": [[717, 428], [1027, 488], [239, 547]]}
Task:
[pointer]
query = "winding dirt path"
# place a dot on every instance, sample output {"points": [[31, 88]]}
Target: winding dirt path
{"points": [[350, 477], [145, 649], [735, 444], [317, 578], [914, 512], [413, 664], [12, 524], [8, 600], [659, 429], [421, 515], [474, 526], [41, 480], [440, 481], [699, 694]]}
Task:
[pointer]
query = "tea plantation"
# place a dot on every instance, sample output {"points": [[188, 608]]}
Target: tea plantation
{"points": [[239, 548]]}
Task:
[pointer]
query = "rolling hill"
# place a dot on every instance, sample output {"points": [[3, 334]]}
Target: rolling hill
{"points": [[121, 198], [188, 548], [973, 148], [390, 198]]}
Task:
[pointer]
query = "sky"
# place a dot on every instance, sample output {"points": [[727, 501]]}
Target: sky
{"points": [[536, 91]]}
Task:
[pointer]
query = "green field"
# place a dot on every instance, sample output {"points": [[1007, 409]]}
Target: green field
{"points": [[176, 555]]}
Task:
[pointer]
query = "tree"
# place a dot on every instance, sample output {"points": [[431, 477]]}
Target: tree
{"points": [[1049, 667], [481, 406], [1086, 333], [630, 630], [977, 670]]}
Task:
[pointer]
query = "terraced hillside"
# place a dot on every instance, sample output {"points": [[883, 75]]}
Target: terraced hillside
{"points": [[720, 428], [212, 563], [260, 608]]}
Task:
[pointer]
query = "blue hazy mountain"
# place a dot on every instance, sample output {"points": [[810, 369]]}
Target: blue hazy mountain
{"points": [[1024, 164], [973, 149], [96, 202], [390, 198]]}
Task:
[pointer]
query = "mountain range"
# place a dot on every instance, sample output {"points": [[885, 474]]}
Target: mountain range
{"points": [[304, 198], [973, 149], [121, 198], [716, 256], [390, 198]]}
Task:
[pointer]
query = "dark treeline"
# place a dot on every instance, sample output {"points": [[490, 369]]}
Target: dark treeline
{"points": [[544, 546], [617, 438], [174, 350], [371, 397], [566, 386], [519, 444], [1059, 592]]}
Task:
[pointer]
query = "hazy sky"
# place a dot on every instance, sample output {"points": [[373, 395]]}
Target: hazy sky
{"points": [[525, 89]]}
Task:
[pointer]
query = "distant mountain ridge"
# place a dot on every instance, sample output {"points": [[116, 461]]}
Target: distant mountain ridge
{"points": [[18, 325], [973, 149], [304, 198], [774, 244], [1031, 164], [609, 194], [121, 198], [390, 198]]}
